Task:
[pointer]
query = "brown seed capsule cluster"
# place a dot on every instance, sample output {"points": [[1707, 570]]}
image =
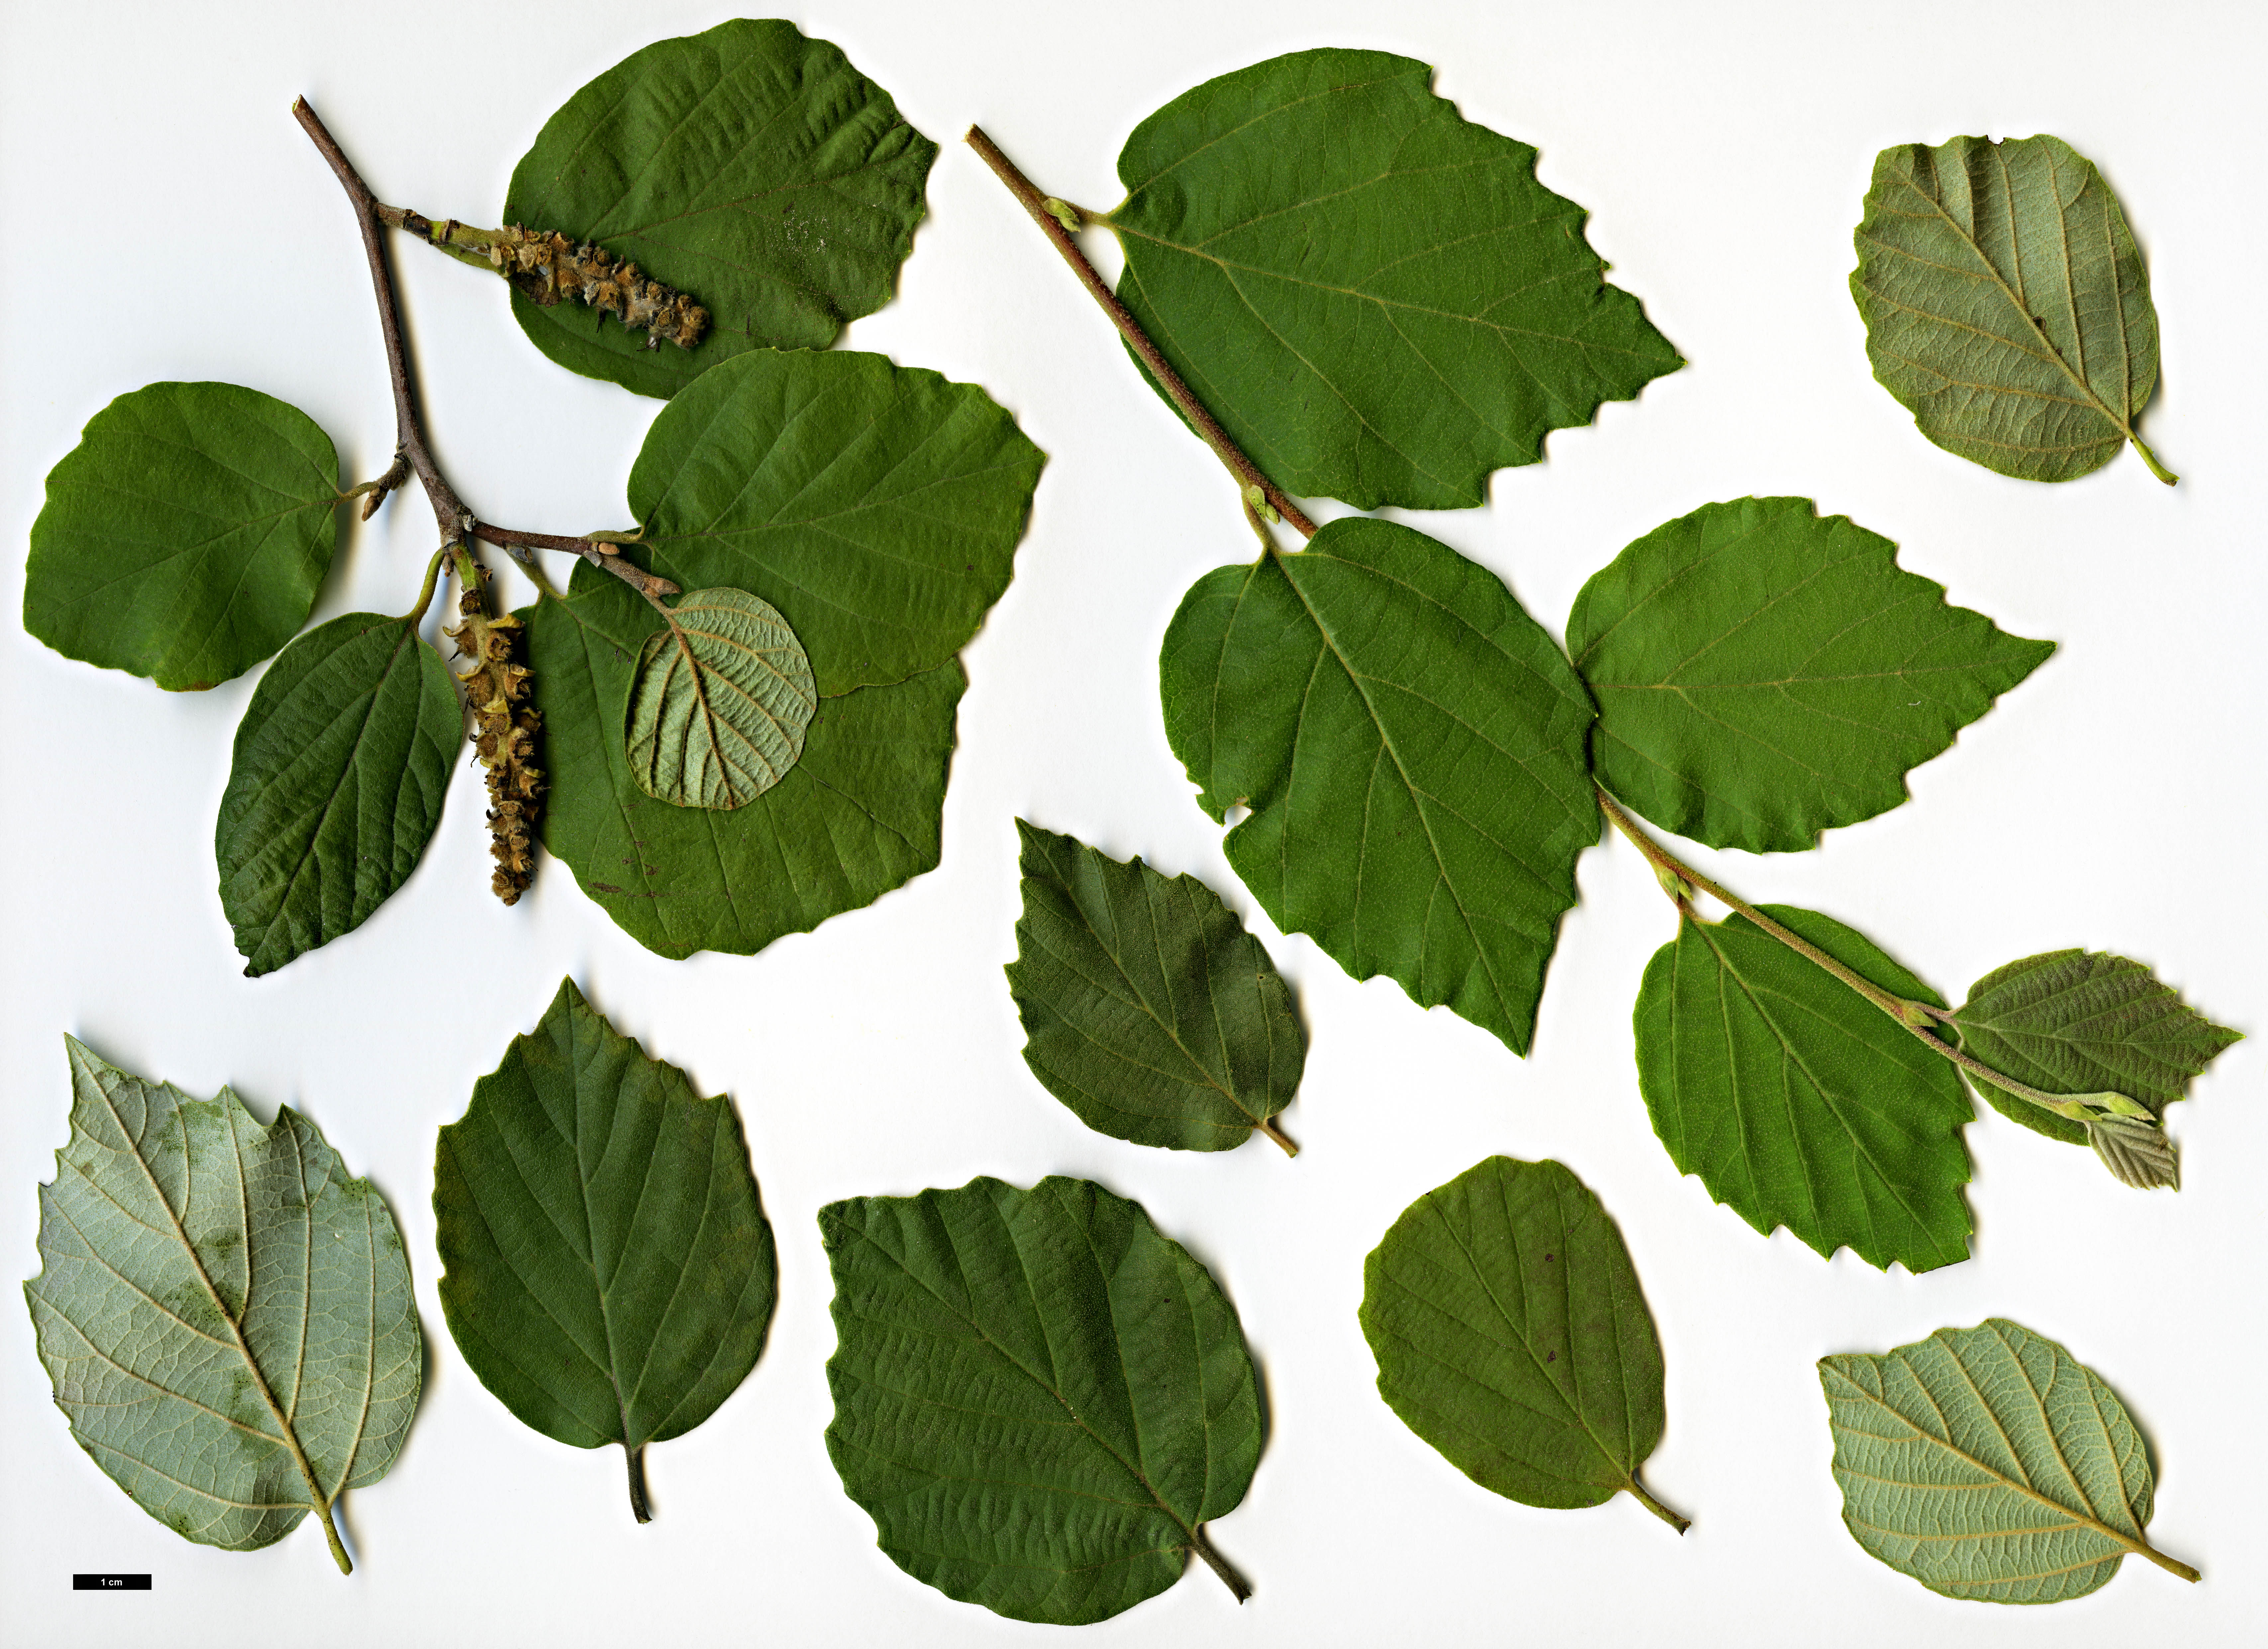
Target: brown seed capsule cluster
{"points": [[505, 728], [560, 267]]}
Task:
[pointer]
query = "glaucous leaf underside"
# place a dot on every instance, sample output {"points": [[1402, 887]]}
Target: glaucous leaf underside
{"points": [[1410, 744], [749, 167], [720, 702], [1038, 1398], [1374, 296], [1147, 1009], [184, 538], [1763, 674]]}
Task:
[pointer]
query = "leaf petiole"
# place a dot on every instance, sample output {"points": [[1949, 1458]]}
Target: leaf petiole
{"points": [[425, 595], [1637, 1491], [635, 1459], [1235, 1582]]}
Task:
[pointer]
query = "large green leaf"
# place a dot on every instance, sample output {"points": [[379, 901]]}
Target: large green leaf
{"points": [[1763, 674], [747, 166], [1511, 1334], [1375, 297], [1147, 1008], [225, 1315], [185, 536], [719, 704], [877, 506], [342, 761], [1798, 1101], [1990, 1463], [609, 1271], [2007, 305], [1038, 1398], [1410, 743]]}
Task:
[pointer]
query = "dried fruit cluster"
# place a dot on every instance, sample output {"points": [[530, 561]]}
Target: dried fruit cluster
{"points": [[591, 274], [505, 729]]}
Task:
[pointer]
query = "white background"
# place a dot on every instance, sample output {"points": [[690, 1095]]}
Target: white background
{"points": [[164, 218]]}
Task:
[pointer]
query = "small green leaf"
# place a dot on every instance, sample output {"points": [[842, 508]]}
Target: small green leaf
{"points": [[342, 761], [1798, 1101], [1039, 1399], [1375, 297], [749, 167], [225, 1315], [1147, 1008], [720, 702], [609, 1271], [184, 537], [1511, 1334], [1763, 674], [1410, 743], [2007, 305], [1990, 1463]]}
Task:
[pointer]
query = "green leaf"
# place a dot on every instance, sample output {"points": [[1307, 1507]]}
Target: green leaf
{"points": [[225, 1315], [720, 702], [877, 506], [1798, 1101], [609, 1271], [184, 537], [749, 167], [1990, 1463], [1147, 1008], [1511, 1334], [1763, 674], [1039, 1399], [2081, 1022], [1375, 297], [1410, 743], [340, 765], [2007, 305]]}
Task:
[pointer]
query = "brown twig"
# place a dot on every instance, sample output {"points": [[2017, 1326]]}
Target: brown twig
{"points": [[646, 583]]}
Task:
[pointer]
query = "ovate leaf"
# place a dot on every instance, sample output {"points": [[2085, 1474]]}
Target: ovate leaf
{"points": [[1763, 674], [225, 1315], [751, 167], [1511, 1334], [185, 536], [1990, 1463], [1798, 1101], [1410, 743], [720, 702], [1147, 1008], [1375, 297], [2007, 305], [609, 1271], [342, 761], [1039, 1399]]}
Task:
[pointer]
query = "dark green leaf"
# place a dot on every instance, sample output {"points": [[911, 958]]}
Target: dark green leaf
{"points": [[225, 1315], [1989, 1463], [1511, 1334], [2006, 306], [719, 704], [1798, 1101], [609, 1271], [749, 167], [185, 536], [1147, 1008], [1038, 1398], [1375, 298], [1763, 674], [1410, 743], [340, 764]]}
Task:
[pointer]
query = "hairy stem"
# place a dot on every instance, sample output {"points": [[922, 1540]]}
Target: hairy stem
{"points": [[593, 551], [1235, 1582], [1638, 1493]]}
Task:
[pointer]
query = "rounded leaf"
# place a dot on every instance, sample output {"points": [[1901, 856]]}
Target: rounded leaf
{"points": [[721, 699]]}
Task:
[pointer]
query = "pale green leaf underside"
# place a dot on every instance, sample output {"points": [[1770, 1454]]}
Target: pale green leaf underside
{"points": [[720, 702], [747, 166], [1376, 298], [1410, 743], [1987, 1463], [1038, 1398], [212, 1292], [1147, 1009], [2007, 305], [340, 765], [609, 1273], [1511, 1334], [1797, 1101], [184, 537], [1763, 674]]}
